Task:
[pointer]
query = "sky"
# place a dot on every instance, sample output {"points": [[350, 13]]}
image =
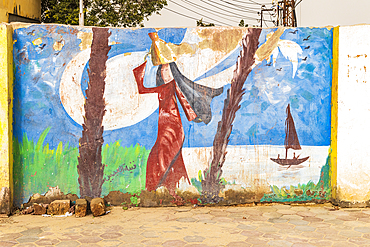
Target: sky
{"points": [[316, 13], [260, 120]]}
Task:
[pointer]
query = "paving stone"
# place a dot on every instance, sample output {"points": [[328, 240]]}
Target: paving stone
{"points": [[267, 209], [197, 245], [268, 229], [27, 239], [312, 219], [319, 225], [174, 243], [32, 231], [358, 240], [70, 237], [298, 222], [329, 231], [343, 244], [200, 210], [59, 207], [239, 244], [89, 240], [296, 240], [284, 226], [306, 213], [305, 228], [68, 244], [320, 242], [280, 243], [47, 241], [300, 208], [272, 236], [257, 218], [251, 233], [150, 234], [256, 240], [26, 245], [362, 229], [186, 219], [281, 206], [8, 243], [194, 238], [203, 216], [350, 234], [9, 236], [334, 237], [291, 217], [367, 220], [303, 245], [246, 227], [151, 242], [313, 235], [110, 243], [346, 218], [277, 220], [131, 238], [222, 219], [111, 235], [286, 211]]}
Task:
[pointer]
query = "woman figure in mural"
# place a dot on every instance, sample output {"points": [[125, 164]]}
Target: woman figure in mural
{"points": [[165, 165]]}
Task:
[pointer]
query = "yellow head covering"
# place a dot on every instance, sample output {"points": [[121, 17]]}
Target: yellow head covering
{"points": [[160, 52]]}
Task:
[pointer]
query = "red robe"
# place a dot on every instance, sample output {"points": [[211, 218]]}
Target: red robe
{"points": [[165, 165]]}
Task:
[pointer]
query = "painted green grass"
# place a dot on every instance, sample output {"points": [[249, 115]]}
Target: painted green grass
{"points": [[37, 167], [310, 191]]}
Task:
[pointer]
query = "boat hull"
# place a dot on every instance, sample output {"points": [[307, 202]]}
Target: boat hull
{"points": [[290, 162]]}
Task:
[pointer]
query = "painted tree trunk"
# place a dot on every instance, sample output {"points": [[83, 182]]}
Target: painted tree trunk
{"points": [[90, 167], [211, 184]]}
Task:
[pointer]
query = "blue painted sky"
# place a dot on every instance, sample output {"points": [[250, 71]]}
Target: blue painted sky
{"points": [[38, 70]]}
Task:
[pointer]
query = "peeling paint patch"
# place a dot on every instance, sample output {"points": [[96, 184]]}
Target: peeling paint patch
{"points": [[86, 40], [58, 45], [37, 41]]}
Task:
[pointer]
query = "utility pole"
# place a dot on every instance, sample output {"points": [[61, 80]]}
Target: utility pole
{"points": [[289, 16], [263, 9], [81, 14], [285, 13]]}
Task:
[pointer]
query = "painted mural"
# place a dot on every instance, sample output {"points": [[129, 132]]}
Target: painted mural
{"points": [[182, 115]]}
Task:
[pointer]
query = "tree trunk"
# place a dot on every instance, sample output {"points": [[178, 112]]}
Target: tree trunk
{"points": [[90, 167], [211, 184]]}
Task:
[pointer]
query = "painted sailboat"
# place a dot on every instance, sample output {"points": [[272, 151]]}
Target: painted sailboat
{"points": [[291, 141]]}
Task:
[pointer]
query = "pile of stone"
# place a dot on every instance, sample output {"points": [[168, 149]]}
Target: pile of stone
{"points": [[65, 207]]}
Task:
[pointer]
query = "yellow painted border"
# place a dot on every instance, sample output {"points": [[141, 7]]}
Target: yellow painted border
{"points": [[6, 115], [334, 115]]}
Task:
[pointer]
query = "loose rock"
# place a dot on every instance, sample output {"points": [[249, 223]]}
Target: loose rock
{"points": [[59, 207], [81, 208], [97, 206], [39, 209]]}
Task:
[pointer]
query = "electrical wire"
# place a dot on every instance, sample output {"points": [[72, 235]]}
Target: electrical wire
{"points": [[200, 14], [252, 2], [212, 12], [205, 11], [240, 6], [248, 11], [187, 16], [244, 16]]}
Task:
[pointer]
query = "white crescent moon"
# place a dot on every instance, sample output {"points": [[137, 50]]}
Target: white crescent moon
{"points": [[124, 105]]}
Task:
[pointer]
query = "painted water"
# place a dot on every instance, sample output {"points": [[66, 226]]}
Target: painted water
{"points": [[251, 167]]}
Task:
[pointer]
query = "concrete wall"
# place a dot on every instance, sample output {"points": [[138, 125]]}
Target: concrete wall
{"points": [[58, 136], [353, 116], [30, 9], [6, 87]]}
